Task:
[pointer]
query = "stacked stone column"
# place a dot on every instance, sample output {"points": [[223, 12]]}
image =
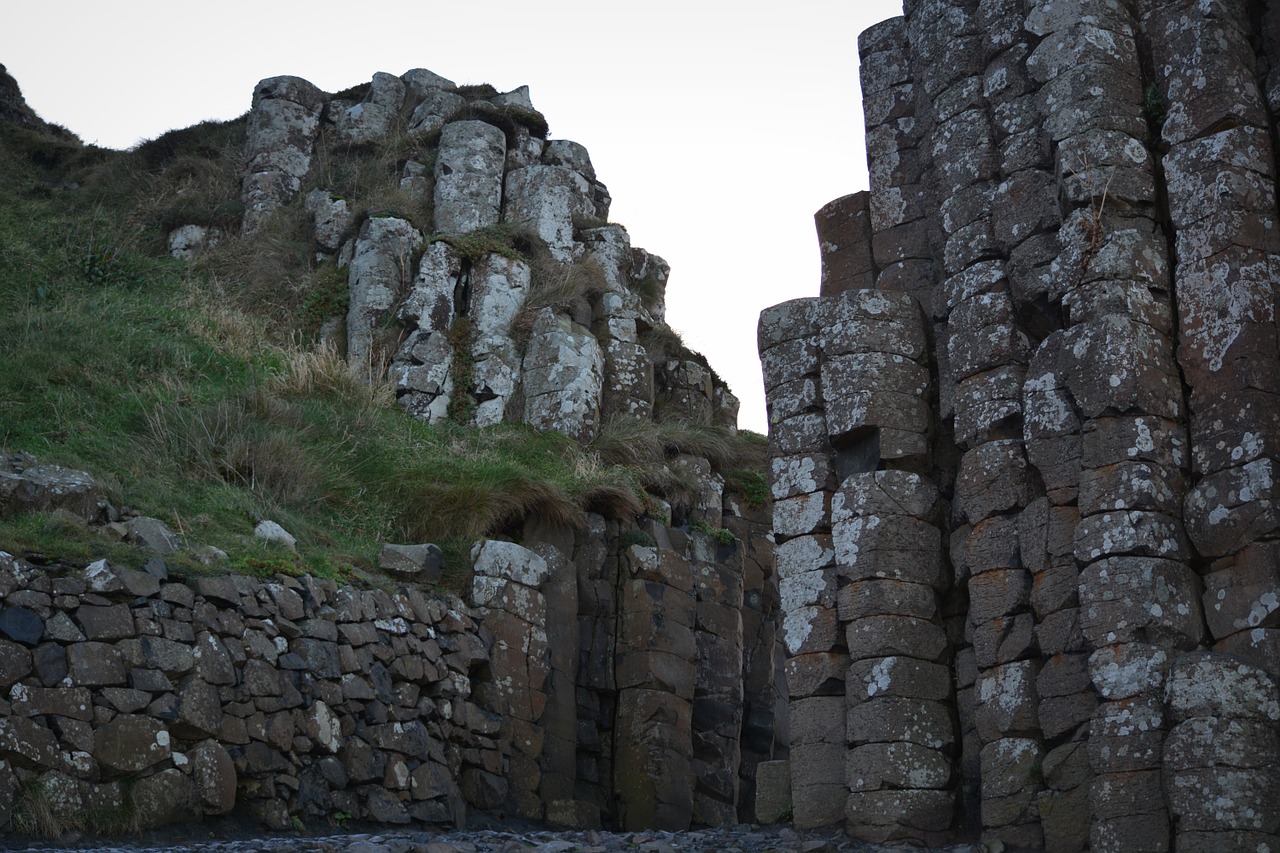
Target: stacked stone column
{"points": [[655, 675], [860, 565], [1220, 174], [507, 587]]}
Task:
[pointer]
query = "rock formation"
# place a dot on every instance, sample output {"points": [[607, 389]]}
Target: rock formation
{"points": [[620, 674], [560, 335], [1023, 442]]}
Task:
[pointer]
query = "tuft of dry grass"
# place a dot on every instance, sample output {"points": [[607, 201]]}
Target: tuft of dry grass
{"points": [[631, 442], [323, 372], [34, 815], [564, 288]]}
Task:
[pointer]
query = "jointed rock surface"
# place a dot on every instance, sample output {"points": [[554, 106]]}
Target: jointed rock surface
{"points": [[1023, 442]]}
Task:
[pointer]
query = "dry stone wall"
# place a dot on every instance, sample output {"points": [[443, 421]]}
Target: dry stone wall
{"points": [[1023, 440], [583, 682]]}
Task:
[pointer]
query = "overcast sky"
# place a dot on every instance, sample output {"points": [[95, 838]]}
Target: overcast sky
{"points": [[719, 127]]}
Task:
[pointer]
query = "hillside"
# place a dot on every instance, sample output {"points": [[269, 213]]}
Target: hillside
{"points": [[213, 393]]}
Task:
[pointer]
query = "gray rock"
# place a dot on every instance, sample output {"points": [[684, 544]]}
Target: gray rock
{"points": [[188, 242], [152, 533], [280, 137], [372, 118], [21, 625], [379, 274], [412, 562], [548, 199], [270, 531], [131, 743], [26, 486], [563, 377], [469, 166], [332, 216]]}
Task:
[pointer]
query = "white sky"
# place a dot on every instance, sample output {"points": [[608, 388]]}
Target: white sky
{"points": [[719, 127]]}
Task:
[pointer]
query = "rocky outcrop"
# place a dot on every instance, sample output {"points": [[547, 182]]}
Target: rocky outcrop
{"points": [[1022, 441], [280, 138], [493, 290]]}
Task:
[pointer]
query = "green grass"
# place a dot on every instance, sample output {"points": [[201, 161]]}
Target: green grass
{"points": [[193, 391]]}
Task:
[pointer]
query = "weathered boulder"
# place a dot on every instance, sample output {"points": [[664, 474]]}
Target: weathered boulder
{"points": [[373, 117]]}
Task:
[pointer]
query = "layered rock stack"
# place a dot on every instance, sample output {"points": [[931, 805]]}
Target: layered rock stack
{"points": [[635, 683], [1071, 229]]}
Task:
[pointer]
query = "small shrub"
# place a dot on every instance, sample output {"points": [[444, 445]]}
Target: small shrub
{"points": [[635, 537], [477, 90], [461, 337], [1154, 106], [752, 485], [722, 535], [506, 239], [322, 372], [564, 288], [33, 813], [650, 288], [661, 342]]}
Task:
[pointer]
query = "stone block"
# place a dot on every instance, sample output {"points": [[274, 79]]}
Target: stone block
{"points": [[1205, 684], [885, 636], [816, 674], [862, 599], [922, 810], [1128, 735], [773, 790], [1121, 597], [1006, 702], [905, 677], [877, 766], [889, 719]]}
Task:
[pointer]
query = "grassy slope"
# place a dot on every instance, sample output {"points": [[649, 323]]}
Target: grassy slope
{"points": [[186, 392]]}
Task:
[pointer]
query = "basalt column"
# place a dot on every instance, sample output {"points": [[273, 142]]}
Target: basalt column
{"points": [[1081, 198]]}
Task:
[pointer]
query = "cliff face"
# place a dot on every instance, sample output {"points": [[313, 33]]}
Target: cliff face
{"points": [[1023, 443]]}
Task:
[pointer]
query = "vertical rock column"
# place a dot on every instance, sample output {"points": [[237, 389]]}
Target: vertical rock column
{"points": [[280, 137], [900, 732], [982, 355], [889, 570], [655, 672], [844, 235], [1112, 369], [620, 317], [469, 176], [596, 693], [379, 276], [507, 586], [764, 735], [897, 206], [718, 688], [499, 287], [1220, 172], [802, 483], [1222, 752]]}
